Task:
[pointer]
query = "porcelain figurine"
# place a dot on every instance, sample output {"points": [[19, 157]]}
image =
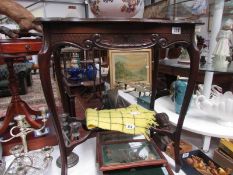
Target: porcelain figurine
{"points": [[219, 107], [116, 8], [224, 42]]}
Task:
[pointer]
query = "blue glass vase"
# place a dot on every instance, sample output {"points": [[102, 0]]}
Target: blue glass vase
{"points": [[75, 73], [180, 89], [91, 72]]}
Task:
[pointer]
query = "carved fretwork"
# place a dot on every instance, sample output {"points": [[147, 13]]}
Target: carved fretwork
{"points": [[84, 41], [123, 41], [119, 41]]}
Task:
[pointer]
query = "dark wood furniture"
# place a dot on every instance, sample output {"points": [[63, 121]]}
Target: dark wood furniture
{"points": [[172, 68], [11, 50], [79, 87], [87, 34]]}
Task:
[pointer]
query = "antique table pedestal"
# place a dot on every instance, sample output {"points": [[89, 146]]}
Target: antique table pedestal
{"points": [[11, 50]]}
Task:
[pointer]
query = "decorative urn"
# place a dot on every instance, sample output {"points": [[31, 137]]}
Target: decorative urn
{"points": [[117, 8]]}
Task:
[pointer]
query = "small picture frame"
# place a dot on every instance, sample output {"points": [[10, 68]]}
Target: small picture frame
{"points": [[130, 66], [117, 150]]}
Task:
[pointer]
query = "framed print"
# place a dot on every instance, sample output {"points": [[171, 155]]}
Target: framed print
{"points": [[156, 10], [127, 152], [129, 66]]}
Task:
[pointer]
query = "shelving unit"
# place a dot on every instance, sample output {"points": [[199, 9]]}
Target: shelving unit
{"points": [[209, 67], [74, 87], [195, 117], [196, 121]]}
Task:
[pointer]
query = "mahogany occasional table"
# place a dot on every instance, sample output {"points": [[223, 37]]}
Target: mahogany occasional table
{"points": [[88, 34], [11, 50]]}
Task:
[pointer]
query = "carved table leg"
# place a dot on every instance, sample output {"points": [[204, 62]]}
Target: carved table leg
{"points": [[44, 62], [154, 76], [194, 66]]}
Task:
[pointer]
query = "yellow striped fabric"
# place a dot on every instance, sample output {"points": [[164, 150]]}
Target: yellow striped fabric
{"points": [[131, 120]]}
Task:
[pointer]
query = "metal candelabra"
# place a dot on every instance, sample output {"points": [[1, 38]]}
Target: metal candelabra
{"points": [[24, 129], [31, 163]]}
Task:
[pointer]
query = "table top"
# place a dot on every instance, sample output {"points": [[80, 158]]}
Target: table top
{"points": [[19, 47], [204, 67], [104, 20], [87, 160], [195, 121]]}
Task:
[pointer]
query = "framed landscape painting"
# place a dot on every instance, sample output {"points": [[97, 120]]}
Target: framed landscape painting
{"points": [[129, 66]]}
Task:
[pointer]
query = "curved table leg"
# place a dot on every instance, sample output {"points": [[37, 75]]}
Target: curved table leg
{"points": [[10, 115], [44, 63], [194, 66], [19, 108], [31, 111]]}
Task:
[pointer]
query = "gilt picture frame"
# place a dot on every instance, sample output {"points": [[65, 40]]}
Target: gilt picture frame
{"points": [[130, 66]]}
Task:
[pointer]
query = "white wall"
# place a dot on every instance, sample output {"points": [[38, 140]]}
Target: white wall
{"points": [[203, 29], [56, 9], [61, 10]]}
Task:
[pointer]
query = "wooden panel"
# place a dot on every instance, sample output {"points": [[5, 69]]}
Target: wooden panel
{"points": [[12, 47]]}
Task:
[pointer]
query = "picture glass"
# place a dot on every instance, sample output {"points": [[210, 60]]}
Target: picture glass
{"points": [[117, 136], [130, 152]]}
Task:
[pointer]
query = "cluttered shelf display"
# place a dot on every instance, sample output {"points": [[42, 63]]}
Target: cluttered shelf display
{"points": [[83, 75]]}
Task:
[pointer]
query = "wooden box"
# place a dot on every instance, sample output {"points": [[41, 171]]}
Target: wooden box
{"points": [[202, 166], [222, 159], [227, 146]]}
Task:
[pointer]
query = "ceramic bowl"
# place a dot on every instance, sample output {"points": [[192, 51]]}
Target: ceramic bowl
{"points": [[219, 107], [116, 8]]}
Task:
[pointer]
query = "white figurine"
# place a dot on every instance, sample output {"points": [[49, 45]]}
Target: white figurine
{"points": [[224, 42]]}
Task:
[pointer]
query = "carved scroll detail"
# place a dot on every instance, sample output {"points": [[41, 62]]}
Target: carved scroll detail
{"points": [[120, 41]]}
